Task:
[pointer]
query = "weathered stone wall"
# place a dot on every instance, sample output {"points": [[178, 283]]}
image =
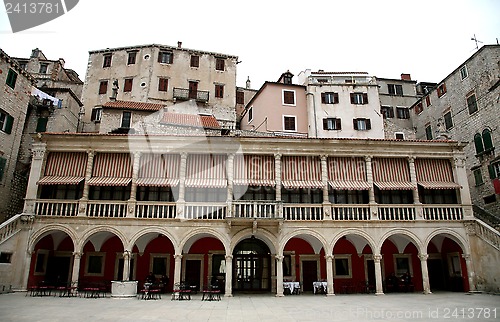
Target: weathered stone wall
{"points": [[486, 261]]}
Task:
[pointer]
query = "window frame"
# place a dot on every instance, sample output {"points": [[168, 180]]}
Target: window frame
{"points": [[11, 79], [103, 87], [107, 59], [472, 104], [96, 114], [3, 167], [419, 108], [387, 111], [102, 255], [240, 97], [162, 84], [335, 122], [402, 112], [399, 133], [395, 89], [132, 57], [366, 124], [123, 119], [288, 96], [220, 64], [359, 98], [428, 101], [428, 132], [441, 90], [399, 270], [128, 83], [6, 257], [329, 98], [194, 61], [462, 74], [165, 57], [250, 114], [448, 120], [342, 257], [44, 68], [478, 177], [219, 91], [285, 123], [6, 122]]}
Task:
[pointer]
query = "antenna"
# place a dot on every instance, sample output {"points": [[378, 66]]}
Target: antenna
{"points": [[476, 41]]}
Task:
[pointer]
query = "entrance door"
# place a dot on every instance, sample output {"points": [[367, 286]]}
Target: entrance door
{"points": [[370, 270], [193, 272], [58, 269], [309, 274], [193, 89], [436, 274], [251, 266]]}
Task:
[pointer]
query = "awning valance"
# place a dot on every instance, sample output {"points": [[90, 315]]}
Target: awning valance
{"points": [[301, 172], [157, 182], [345, 173], [435, 174], [439, 185], [392, 174], [314, 184], [108, 181], [349, 185], [206, 171], [206, 183], [159, 170], [394, 185], [55, 180], [64, 168], [254, 170]]}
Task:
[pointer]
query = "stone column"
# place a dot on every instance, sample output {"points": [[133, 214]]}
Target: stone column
{"points": [[75, 275], [470, 272], [379, 289], [425, 273], [279, 276], [230, 184], [371, 191], [460, 177], [277, 176], [133, 188], [27, 265], [413, 179], [182, 186], [37, 158], [177, 268], [229, 276], [127, 255], [324, 181], [329, 275], [82, 209]]}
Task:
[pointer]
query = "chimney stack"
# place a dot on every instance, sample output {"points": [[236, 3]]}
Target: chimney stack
{"points": [[405, 76], [179, 44]]}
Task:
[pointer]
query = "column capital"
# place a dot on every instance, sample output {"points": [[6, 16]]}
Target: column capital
{"points": [[279, 258], [78, 254], [38, 153], [377, 258], [229, 257], [423, 257], [411, 159], [177, 257], [137, 155], [90, 153], [368, 158], [277, 156], [329, 258], [467, 257], [127, 254], [230, 155], [459, 161], [184, 155], [323, 157]]}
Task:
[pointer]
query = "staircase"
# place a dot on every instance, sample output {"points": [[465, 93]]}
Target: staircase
{"points": [[10, 227], [487, 217]]}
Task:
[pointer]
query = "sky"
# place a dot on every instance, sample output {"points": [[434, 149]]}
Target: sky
{"points": [[427, 39]]}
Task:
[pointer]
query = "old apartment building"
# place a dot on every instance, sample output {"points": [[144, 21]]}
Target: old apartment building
{"points": [[164, 75]]}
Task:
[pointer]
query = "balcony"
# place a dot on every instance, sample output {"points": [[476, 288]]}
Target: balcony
{"points": [[185, 94]]}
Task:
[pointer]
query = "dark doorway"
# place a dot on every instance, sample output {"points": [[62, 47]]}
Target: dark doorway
{"points": [[436, 274], [370, 270], [193, 271], [58, 268], [252, 269], [309, 274], [193, 89]]}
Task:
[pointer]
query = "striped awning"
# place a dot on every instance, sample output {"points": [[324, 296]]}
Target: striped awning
{"points": [[435, 174], [111, 169], [64, 168], [159, 170], [254, 170], [301, 172], [345, 173], [392, 174], [206, 171], [54, 180]]}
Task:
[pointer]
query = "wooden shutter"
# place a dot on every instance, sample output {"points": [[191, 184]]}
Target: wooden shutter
{"points": [[368, 124], [9, 121], [478, 142], [355, 123], [103, 87], [335, 98], [365, 98], [41, 125], [160, 54], [352, 98], [93, 115], [338, 124], [323, 98], [325, 124]]}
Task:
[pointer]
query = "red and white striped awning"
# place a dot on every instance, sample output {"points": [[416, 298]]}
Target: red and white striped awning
{"points": [[159, 170], [392, 174], [254, 170], [301, 172], [206, 171], [111, 169], [64, 168], [345, 173], [435, 174]]}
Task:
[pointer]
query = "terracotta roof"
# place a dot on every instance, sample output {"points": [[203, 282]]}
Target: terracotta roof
{"points": [[140, 106], [205, 121]]}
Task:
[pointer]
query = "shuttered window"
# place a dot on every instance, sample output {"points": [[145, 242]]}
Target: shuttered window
{"points": [[128, 85], [6, 122], [103, 87], [163, 84], [332, 124], [329, 98], [359, 98]]}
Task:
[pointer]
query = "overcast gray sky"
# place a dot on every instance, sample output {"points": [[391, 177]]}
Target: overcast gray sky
{"points": [[385, 38]]}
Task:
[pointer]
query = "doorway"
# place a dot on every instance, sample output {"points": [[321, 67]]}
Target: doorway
{"points": [[193, 90], [436, 274], [252, 266], [309, 274], [58, 269], [193, 273]]}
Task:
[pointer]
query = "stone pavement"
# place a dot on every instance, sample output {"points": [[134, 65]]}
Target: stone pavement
{"points": [[244, 307]]}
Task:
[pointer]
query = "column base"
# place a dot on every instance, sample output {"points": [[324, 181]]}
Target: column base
{"points": [[228, 295], [426, 292], [279, 295], [381, 293], [330, 294]]}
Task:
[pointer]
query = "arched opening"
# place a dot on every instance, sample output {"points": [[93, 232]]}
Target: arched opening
{"points": [[446, 266], [252, 266]]}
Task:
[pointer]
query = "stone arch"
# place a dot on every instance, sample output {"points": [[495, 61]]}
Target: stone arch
{"points": [[453, 235], [357, 232], [267, 237], [86, 236], [44, 231], [307, 232], [404, 232], [155, 230], [194, 234]]}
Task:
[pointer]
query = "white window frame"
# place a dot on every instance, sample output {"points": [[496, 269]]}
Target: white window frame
{"points": [[398, 271], [329, 98], [331, 121], [452, 262], [400, 133], [407, 112], [358, 98], [101, 254], [160, 255], [250, 114], [283, 120], [349, 264], [131, 116], [362, 122], [462, 69], [98, 114], [283, 97]]}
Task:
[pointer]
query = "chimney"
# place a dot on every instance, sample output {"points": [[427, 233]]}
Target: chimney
{"points": [[61, 61], [405, 76], [179, 44], [248, 82]]}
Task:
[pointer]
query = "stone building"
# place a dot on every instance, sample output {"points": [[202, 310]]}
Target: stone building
{"points": [[342, 105], [465, 107], [15, 93], [162, 75]]}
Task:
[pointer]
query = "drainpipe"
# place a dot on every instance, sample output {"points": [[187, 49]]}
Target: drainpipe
{"points": [[314, 113]]}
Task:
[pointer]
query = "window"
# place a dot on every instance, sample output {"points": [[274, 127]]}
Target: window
{"points": [[220, 63], [287, 78], [463, 72], [489, 199], [107, 60], [128, 85], [195, 61], [441, 90], [163, 84], [359, 98], [288, 97], [289, 123], [428, 100], [483, 142], [166, 57], [332, 124], [448, 122], [428, 132], [419, 108], [478, 143], [219, 91], [399, 135], [478, 177], [250, 114], [494, 170], [5, 258], [126, 119], [488, 142], [95, 264], [402, 264], [43, 68], [472, 103], [362, 124], [103, 87], [6, 122], [329, 98], [23, 64], [3, 165], [240, 97], [395, 89], [41, 262], [131, 57], [403, 112], [11, 79], [342, 266], [41, 125], [387, 112], [159, 264], [96, 114]]}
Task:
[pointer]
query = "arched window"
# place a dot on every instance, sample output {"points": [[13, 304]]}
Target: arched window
{"points": [[478, 142], [488, 143]]}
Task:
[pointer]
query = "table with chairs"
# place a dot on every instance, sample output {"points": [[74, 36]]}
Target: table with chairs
{"points": [[320, 287], [181, 291], [212, 293], [291, 288]]}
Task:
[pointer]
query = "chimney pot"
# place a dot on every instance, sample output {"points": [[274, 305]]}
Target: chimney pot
{"points": [[405, 76], [179, 44]]}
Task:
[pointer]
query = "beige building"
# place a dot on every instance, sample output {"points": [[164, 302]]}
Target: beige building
{"points": [[342, 105], [162, 75], [465, 107]]}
